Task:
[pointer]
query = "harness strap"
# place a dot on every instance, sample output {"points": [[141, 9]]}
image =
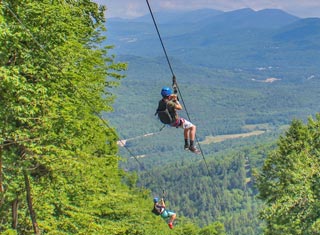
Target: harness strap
{"points": [[161, 208], [178, 122]]}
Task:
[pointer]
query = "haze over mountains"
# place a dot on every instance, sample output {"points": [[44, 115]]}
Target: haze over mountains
{"points": [[219, 39], [234, 68]]}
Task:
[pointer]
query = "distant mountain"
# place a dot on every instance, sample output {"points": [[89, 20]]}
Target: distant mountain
{"points": [[235, 27], [210, 38], [171, 23], [304, 29], [178, 17], [248, 18]]}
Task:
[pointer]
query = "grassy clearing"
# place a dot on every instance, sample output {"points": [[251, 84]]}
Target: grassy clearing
{"points": [[220, 138], [253, 127]]}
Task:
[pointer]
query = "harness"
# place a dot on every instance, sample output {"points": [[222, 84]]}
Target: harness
{"points": [[159, 208], [178, 122]]}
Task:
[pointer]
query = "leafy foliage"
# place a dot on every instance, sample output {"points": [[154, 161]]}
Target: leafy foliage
{"points": [[59, 170], [53, 78], [56, 150], [289, 181]]}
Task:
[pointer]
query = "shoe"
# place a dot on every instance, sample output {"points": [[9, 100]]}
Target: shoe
{"points": [[194, 149], [170, 225], [186, 147]]}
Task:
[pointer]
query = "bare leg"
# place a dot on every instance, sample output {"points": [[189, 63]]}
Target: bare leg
{"points": [[193, 130], [186, 133], [190, 133], [172, 218]]}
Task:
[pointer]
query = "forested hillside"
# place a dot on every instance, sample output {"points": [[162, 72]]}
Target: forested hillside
{"points": [[67, 101], [243, 79], [225, 193], [59, 169]]}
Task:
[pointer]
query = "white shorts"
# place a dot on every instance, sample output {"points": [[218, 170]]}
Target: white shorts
{"points": [[186, 124]]}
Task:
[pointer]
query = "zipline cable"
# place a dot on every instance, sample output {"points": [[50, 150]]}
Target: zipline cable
{"points": [[164, 49], [174, 81], [77, 90]]}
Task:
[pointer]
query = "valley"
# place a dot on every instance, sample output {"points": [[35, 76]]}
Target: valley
{"points": [[244, 76]]}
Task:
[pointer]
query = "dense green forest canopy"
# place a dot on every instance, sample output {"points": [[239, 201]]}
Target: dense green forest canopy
{"points": [[61, 170]]}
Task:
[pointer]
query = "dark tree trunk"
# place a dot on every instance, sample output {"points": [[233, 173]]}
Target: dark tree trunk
{"points": [[1, 184], [30, 205], [15, 206]]}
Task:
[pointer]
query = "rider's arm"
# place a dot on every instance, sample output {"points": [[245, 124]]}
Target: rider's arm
{"points": [[162, 203], [177, 105]]}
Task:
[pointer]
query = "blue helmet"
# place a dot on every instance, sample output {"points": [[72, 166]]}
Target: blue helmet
{"points": [[155, 200], [166, 91]]}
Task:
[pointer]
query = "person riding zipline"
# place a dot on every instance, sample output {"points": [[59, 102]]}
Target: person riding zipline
{"points": [[167, 113], [159, 208]]}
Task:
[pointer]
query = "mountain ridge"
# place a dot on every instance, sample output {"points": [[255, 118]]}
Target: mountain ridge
{"points": [[236, 37]]}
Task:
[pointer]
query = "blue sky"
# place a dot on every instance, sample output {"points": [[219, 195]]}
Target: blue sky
{"points": [[134, 8]]}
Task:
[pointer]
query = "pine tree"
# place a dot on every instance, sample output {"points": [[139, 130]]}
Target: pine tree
{"points": [[289, 181]]}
